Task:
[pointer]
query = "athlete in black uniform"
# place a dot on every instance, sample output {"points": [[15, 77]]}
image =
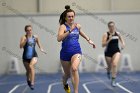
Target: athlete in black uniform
{"points": [[28, 43], [111, 40]]}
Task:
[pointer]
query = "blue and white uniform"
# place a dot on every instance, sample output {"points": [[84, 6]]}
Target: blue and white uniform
{"points": [[29, 49], [70, 45]]}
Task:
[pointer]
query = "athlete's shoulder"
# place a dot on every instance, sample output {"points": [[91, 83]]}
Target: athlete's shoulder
{"points": [[23, 37], [118, 33], [106, 33], [78, 25], [63, 26], [35, 36]]}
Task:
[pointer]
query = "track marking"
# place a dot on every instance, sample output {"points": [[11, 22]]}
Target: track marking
{"points": [[52, 84], [85, 85], [23, 84], [122, 82], [15, 87], [122, 87], [106, 84], [57, 83], [101, 81]]}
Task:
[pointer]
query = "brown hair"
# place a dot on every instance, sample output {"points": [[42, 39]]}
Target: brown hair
{"points": [[63, 15], [27, 27], [110, 22]]}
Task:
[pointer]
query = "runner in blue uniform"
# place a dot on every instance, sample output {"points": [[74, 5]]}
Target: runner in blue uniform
{"points": [[28, 43], [112, 51], [70, 53]]}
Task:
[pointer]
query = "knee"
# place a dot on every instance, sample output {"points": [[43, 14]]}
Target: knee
{"points": [[31, 67], [114, 65], [74, 69]]}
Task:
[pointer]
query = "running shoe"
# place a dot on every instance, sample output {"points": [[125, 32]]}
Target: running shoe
{"points": [[67, 88]]}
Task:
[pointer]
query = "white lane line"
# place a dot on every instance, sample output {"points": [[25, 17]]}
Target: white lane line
{"points": [[85, 85], [57, 83], [15, 87], [26, 88], [103, 82], [122, 82], [11, 91], [20, 85], [51, 85], [122, 87], [106, 84]]}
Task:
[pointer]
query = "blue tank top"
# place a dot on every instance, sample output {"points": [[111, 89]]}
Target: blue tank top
{"points": [[71, 42], [29, 48]]}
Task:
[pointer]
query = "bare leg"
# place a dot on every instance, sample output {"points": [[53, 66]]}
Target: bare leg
{"points": [[28, 75], [66, 67], [75, 61], [115, 60], [32, 69], [108, 61]]}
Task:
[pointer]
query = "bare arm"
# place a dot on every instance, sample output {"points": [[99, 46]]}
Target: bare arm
{"points": [[23, 41], [121, 40], [61, 33], [104, 40], [85, 36], [39, 44]]}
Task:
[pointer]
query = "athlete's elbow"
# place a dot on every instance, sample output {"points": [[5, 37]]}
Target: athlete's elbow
{"points": [[103, 45], [20, 46], [58, 39], [123, 44]]}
